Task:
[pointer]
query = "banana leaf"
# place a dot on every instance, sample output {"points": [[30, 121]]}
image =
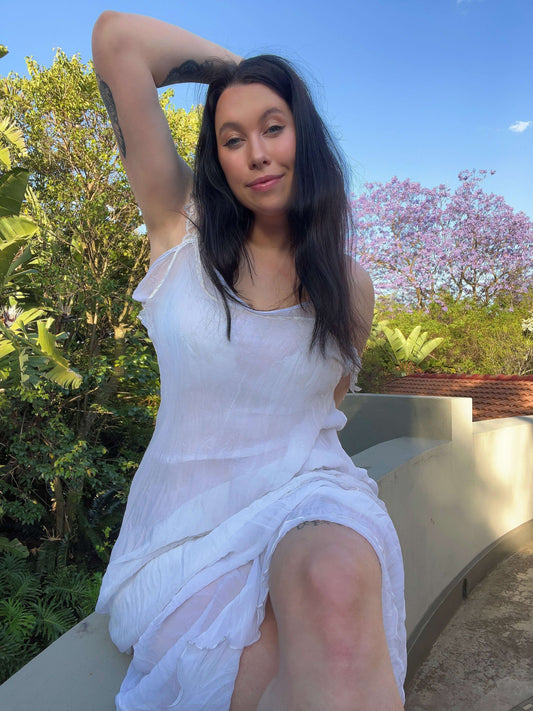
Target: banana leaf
{"points": [[12, 227], [12, 134], [427, 348], [31, 356], [5, 158], [12, 190], [397, 343]]}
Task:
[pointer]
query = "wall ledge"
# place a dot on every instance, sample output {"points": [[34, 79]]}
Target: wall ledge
{"points": [[384, 458], [501, 423]]}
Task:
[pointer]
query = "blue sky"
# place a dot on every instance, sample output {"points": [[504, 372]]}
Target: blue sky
{"points": [[420, 89]]}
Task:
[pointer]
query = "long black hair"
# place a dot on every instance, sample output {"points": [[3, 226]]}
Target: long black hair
{"points": [[318, 216]]}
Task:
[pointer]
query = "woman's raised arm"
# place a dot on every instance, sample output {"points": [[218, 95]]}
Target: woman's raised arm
{"points": [[133, 56]]}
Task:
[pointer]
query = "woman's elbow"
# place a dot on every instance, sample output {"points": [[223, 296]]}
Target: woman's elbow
{"points": [[108, 33]]}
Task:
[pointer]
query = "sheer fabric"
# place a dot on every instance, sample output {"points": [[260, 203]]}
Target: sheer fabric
{"points": [[245, 448]]}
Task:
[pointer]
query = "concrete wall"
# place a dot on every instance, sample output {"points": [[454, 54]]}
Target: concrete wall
{"points": [[81, 671], [451, 494], [373, 419], [452, 488]]}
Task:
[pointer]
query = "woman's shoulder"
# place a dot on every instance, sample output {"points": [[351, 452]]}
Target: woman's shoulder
{"points": [[362, 297], [362, 289]]}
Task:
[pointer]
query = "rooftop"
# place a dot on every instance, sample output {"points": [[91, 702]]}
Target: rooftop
{"points": [[493, 396]]}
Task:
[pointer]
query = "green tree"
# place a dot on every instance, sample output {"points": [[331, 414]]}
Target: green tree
{"points": [[69, 458], [24, 354]]}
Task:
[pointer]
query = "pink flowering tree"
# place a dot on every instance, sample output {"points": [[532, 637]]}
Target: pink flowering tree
{"points": [[420, 244]]}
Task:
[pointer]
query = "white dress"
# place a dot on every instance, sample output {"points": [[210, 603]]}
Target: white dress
{"points": [[245, 448]]}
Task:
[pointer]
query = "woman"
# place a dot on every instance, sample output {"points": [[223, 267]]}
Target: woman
{"points": [[256, 569]]}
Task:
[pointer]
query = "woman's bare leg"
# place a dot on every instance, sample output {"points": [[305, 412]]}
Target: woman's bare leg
{"points": [[258, 666], [325, 588]]}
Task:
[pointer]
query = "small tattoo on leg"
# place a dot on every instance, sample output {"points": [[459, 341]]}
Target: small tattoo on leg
{"points": [[311, 523]]}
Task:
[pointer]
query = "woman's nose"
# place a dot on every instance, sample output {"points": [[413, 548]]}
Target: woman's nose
{"points": [[258, 155]]}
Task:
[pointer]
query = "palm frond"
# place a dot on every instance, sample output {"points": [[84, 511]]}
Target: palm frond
{"points": [[66, 586], [11, 134], [16, 619], [92, 590], [13, 546], [12, 190], [28, 588], [10, 653], [13, 571], [51, 620], [51, 555]]}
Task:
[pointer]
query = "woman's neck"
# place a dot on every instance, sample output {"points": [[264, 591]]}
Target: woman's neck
{"points": [[267, 279], [270, 233]]}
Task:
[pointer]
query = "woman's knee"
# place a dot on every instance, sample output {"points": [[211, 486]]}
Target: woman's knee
{"points": [[332, 574], [339, 580]]}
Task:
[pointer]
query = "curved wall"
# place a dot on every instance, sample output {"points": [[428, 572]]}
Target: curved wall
{"points": [[460, 496]]}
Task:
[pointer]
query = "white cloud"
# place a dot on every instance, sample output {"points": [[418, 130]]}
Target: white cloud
{"points": [[520, 126]]}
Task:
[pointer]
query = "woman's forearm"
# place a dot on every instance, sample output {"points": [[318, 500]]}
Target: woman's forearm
{"points": [[172, 55]]}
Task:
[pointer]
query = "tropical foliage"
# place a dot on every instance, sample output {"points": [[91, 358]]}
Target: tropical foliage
{"points": [[28, 348], [457, 264], [491, 339], [411, 350], [37, 603], [69, 447]]}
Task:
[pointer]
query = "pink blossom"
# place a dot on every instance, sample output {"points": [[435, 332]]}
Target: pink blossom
{"points": [[418, 242]]}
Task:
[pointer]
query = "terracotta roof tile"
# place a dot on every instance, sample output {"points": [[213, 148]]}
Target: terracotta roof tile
{"points": [[492, 396]]}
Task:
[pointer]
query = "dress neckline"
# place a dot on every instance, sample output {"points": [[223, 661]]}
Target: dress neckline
{"points": [[246, 305], [188, 239]]}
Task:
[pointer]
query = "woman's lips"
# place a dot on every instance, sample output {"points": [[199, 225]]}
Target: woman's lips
{"points": [[265, 182]]}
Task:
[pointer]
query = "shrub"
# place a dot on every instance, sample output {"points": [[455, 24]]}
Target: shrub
{"points": [[489, 340], [37, 605]]}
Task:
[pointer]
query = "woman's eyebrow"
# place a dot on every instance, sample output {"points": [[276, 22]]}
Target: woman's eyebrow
{"points": [[235, 125]]}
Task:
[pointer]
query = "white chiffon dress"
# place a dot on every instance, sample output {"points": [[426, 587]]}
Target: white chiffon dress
{"points": [[244, 449]]}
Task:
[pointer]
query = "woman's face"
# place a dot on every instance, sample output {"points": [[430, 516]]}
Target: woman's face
{"points": [[256, 147]]}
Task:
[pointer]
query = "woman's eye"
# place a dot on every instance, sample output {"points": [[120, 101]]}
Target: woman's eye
{"points": [[275, 129], [232, 142]]}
